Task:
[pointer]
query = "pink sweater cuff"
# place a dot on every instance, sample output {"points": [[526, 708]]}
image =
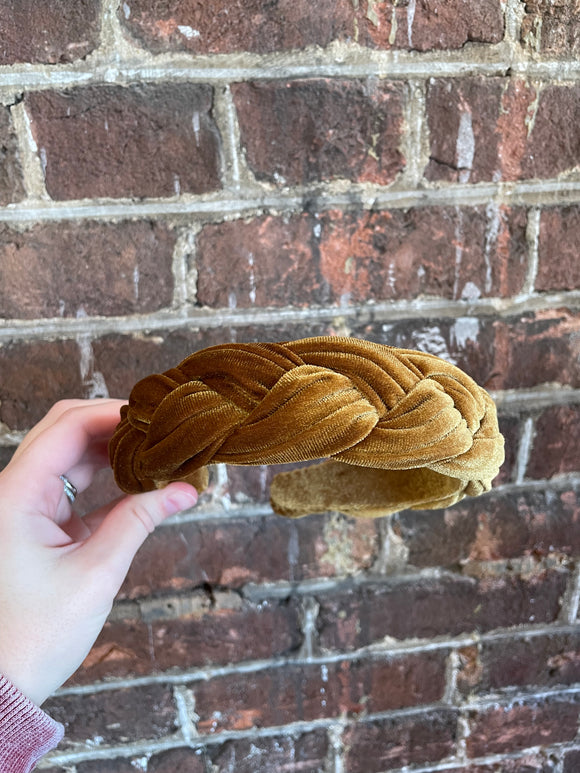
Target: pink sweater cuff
{"points": [[26, 731]]}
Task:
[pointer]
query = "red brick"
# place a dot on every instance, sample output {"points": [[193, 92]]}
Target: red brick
{"points": [[213, 634], [552, 27], [305, 753], [510, 427], [493, 129], [117, 765], [423, 608], [182, 760], [235, 551], [559, 267], [571, 761], [307, 692], [34, 376], [255, 26], [425, 26], [73, 269], [302, 131], [49, 31], [522, 725], [336, 257], [381, 745], [134, 141], [556, 444], [509, 353], [499, 526], [541, 661], [115, 716], [11, 182]]}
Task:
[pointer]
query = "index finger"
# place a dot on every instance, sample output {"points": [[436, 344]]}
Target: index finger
{"points": [[60, 445]]}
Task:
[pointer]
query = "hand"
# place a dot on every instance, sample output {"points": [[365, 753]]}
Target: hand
{"points": [[59, 573]]}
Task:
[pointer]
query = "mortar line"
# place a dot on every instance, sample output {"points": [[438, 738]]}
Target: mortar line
{"points": [[390, 650], [292, 729], [324, 196], [31, 164], [524, 450], [193, 318], [532, 238]]}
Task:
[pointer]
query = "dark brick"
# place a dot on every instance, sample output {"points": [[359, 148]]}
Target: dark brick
{"points": [[552, 27], [498, 526], [308, 692], [556, 444], [235, 551], [176, 761], [11, 183], [306, 753], [559, 267], [116, 765], [73, 269], [223, 27], [543, 661], [381, 745], [571, 761], [492, 129], [205, 633], [115, 716], [48, 31], [510, 428], [304, 131], [336, 257], [425, 26], [142, 140], [34, 376], [522, 725], [423, 608], [6, 454]]}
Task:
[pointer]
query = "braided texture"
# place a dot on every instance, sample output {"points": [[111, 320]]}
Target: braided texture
{"points": [[424, 431]]}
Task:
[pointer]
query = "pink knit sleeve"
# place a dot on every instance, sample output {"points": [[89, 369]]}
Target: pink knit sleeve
{"points": [[26, 731]]}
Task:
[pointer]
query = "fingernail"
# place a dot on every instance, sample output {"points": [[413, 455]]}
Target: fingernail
{"points": [[180, 500]]}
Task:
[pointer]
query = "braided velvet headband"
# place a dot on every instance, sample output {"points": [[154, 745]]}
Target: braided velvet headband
{"points": [[399, 428]]}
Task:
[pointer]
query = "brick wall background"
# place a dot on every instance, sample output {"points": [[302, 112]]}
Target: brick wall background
{"points": [[177, 174]]}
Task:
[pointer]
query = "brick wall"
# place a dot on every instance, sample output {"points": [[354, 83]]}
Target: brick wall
{"points": [[177, 174]]}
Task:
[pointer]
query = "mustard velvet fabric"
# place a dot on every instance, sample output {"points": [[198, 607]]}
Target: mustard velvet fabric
{"points": [[398, 428]]}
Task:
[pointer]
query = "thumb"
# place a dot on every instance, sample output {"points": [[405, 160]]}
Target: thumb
{"points": [[114, 544]]}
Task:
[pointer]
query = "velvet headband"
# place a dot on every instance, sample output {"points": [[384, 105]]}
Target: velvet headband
{"points": [[398, 428]]}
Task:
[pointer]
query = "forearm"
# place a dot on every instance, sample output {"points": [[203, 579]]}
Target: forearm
{"points": [[26, 732]]}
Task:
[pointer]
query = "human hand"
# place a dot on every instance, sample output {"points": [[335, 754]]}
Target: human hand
{"points": [[59, 573]]}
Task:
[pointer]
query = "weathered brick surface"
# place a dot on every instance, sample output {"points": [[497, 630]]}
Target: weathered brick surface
{"points": [[34, 376], [11, 182], [225, 28], [306, 753], [6, 454], [49, 31], [523, 725], [132, 713], [94, 138], [205, 633], [493, 129], [425, 608], [499, 526], [303, 131], [337, 257], [260, 28], [238, 551], [85, 268], [559, 267], [307, 692], [551, 28], [571, 761], [556, 444], [527, 763], [544, 661], [374, 747], [425, 25]]}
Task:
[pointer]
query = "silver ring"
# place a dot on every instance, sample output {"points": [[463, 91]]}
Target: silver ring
{"points": [[69, 489]]}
